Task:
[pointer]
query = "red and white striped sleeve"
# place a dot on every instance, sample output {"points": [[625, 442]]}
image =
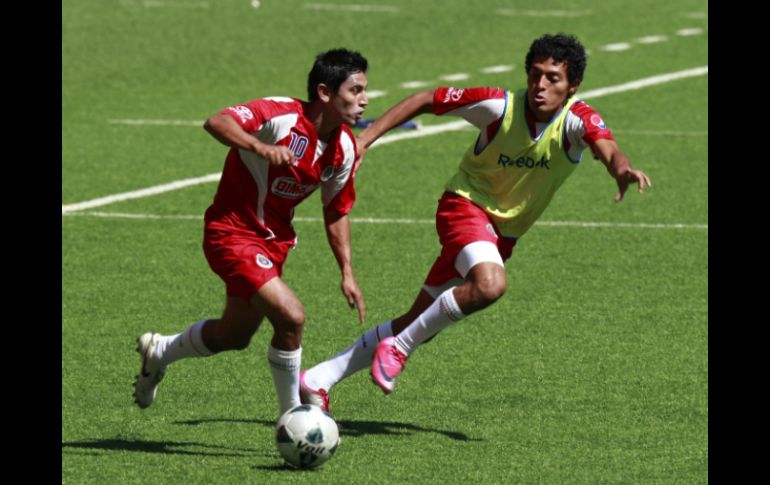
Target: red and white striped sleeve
{"points": [[250, 116], [583, 127], [587, 124], [478, 106]]}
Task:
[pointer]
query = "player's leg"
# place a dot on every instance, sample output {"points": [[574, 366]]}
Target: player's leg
{"points": [[287, 315], [471, 251], [232, 331], [315, 383], [243, 266], [484, 284]]}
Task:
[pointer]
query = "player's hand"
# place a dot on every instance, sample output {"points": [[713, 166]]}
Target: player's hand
{"points": [[628, 177], [277, 155], [354, 296]]}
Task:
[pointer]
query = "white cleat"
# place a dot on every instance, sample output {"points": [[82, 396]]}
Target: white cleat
{"points": [[146, 383]]}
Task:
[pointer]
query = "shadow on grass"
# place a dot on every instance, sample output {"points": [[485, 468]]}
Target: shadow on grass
{"points": [[360, 428], [283, 468], [165, 447], [351, 428]]}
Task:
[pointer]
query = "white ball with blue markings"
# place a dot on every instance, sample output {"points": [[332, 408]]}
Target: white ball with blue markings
{"points": [[306, 436]]}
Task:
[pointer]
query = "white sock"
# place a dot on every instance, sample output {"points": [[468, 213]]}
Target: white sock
{"points": [[285, 364], [182, 345], [351, 360], [441, 313]]}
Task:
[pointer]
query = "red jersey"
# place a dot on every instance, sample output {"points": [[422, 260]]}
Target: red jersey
{"points": [[256, 198]]}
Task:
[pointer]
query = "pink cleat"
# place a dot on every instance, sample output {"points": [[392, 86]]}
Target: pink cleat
{"points": [[308, 395], [387, 365]]}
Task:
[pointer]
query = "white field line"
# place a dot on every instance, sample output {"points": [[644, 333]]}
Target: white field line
{"points": [[374, 220], [413, 84], [460, 76], [643, 83], [689, 32], [425, 131], [620, 46], [158, 122], [375, 94], [155, 3], [352, 7], [496, 69], [542, 13], [651, 39], [137, 194]]}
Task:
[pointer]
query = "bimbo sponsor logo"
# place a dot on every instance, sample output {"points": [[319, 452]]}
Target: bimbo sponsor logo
{"points": [[523, 162], [289, 188]]}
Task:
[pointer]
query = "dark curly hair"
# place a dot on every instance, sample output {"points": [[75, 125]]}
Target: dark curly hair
{"points": [[562, 48], [332, 68]]}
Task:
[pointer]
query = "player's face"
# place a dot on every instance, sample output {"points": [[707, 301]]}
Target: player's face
{"points": [[548, 88], [350, 100]]}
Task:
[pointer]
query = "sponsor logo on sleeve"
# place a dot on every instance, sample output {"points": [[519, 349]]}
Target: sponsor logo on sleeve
{"points": [[596, 120], [454, 95], [243, 113]]}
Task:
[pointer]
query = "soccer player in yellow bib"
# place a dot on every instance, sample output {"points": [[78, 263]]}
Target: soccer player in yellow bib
{"points": [[529, 142]]}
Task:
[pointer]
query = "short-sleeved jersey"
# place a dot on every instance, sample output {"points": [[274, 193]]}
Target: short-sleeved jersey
{"points": [[516, 164], [256, 198]]}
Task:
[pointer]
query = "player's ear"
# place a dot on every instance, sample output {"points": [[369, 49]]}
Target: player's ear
{"points": [[573, 89], [324, 93]]}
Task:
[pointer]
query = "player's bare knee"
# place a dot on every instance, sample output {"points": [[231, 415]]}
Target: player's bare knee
{"points": [[296, 317], [488, 289], [292, 320]]}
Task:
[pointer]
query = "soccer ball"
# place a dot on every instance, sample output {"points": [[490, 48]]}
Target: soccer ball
{"points": [[306, 436]]}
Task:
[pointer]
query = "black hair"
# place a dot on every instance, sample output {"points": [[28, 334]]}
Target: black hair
{"points": [[562, 48], [332, 68]]}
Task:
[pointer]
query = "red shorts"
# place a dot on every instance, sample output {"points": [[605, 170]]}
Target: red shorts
{"points": [[460, 222], [245, 263]]}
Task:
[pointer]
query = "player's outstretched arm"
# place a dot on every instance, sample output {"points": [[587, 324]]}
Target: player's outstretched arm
{"points": [[619, 167], [228, 132], [338, 234], [403, 111]]}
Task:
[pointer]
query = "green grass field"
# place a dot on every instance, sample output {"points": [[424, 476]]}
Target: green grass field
{"points": [[593, 368]]}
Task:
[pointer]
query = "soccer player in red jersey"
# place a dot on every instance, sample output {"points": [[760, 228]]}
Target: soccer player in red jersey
{"points": [[281, 150], [530, 140]]}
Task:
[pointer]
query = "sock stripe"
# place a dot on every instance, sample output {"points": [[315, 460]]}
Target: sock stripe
{"points": [[283, 365], [449, 306], [284, 359], [192, 342]]}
